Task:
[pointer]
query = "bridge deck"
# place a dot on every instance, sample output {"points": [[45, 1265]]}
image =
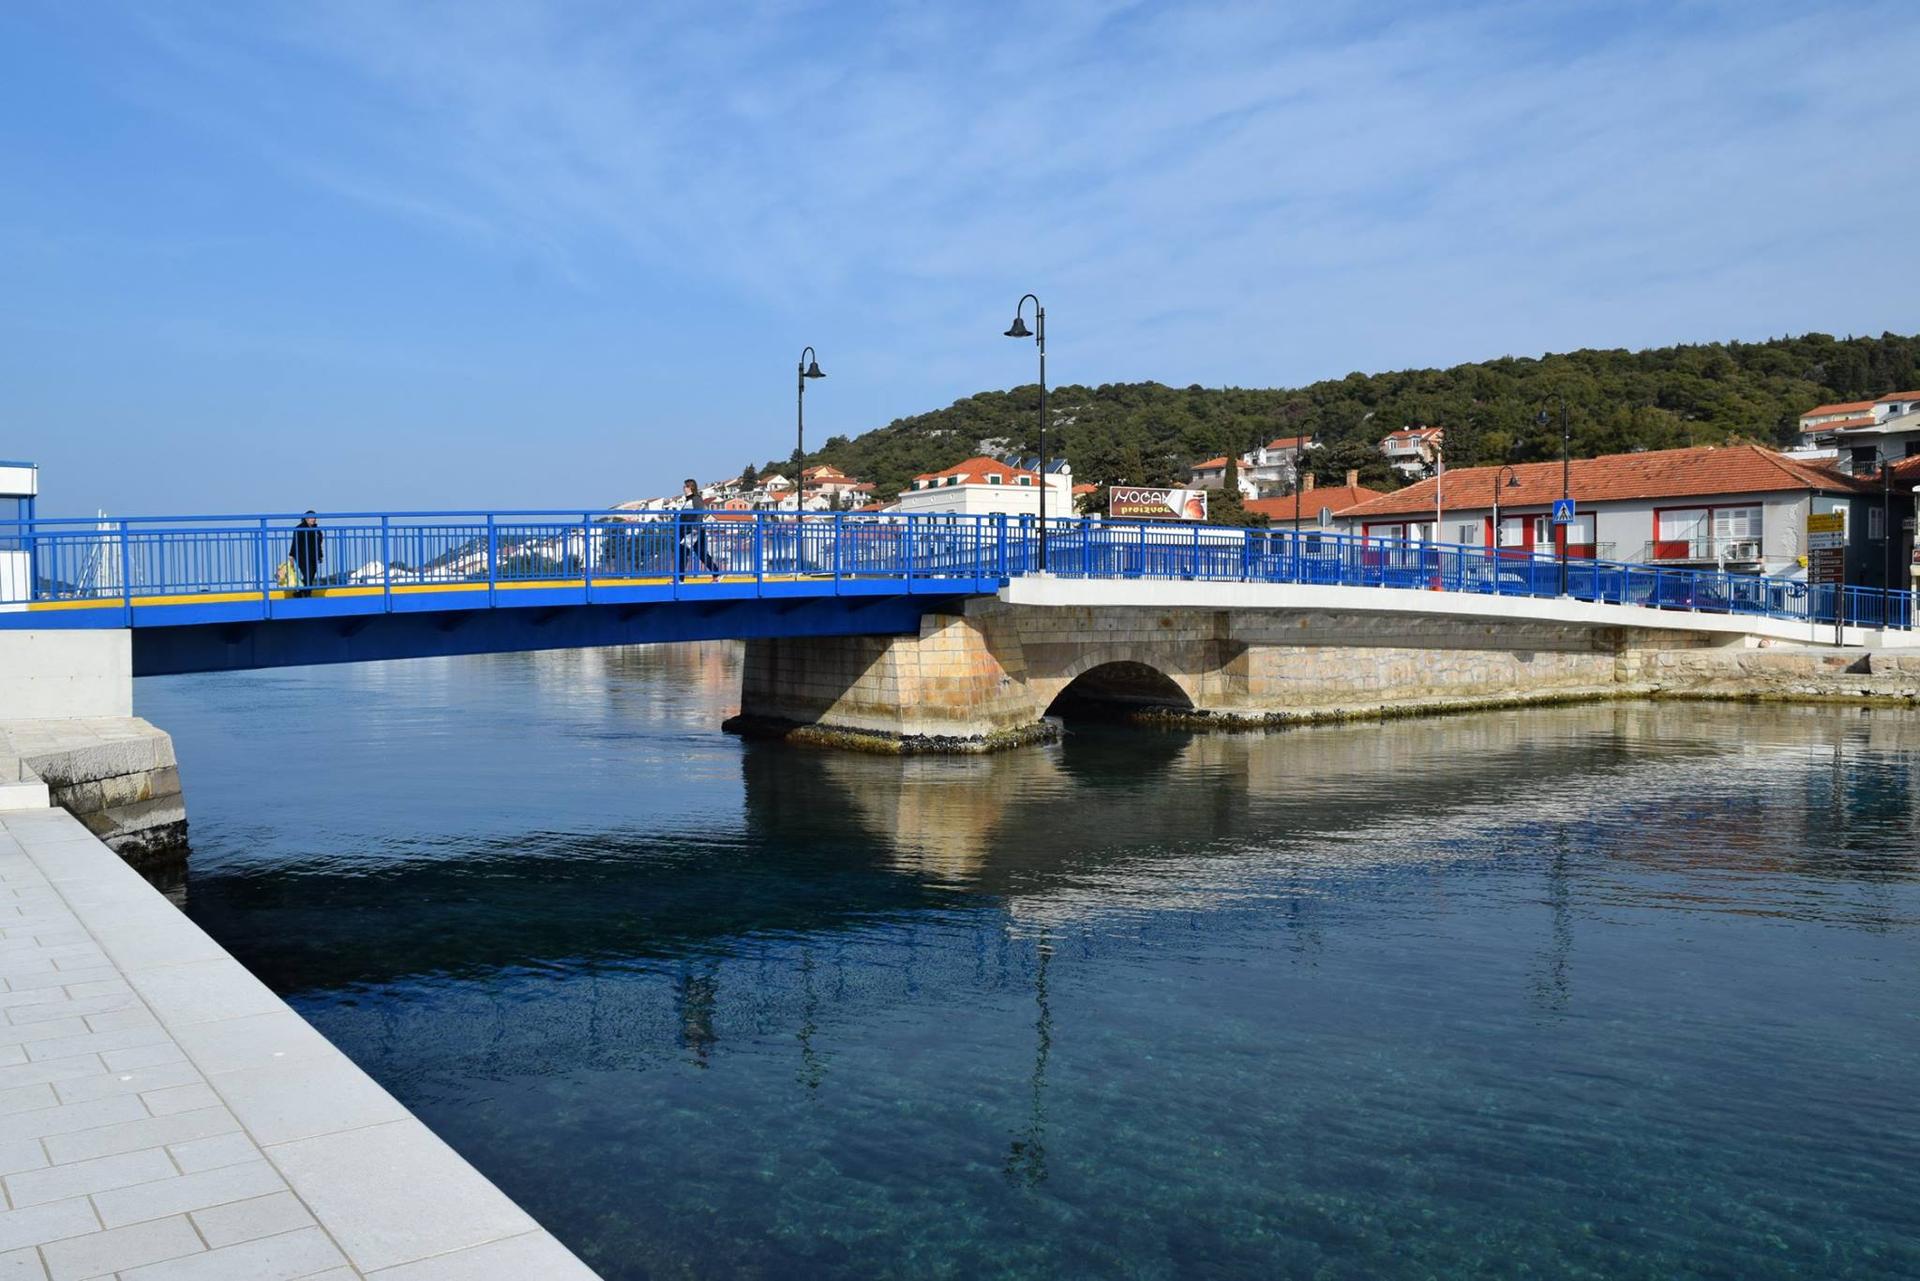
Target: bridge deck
{"points": [[175, 609], [175, 573]]}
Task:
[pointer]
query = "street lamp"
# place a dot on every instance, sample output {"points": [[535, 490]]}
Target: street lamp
{"points": [[1512, 480], [1886, 461], [809, 368], [1018, 329], [1566, 476]]}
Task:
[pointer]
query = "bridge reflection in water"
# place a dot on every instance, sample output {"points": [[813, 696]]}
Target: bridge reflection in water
{"points": [[635, 970]]}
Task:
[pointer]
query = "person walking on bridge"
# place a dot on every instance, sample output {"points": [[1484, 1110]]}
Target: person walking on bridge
{"points": [[307, 552], [693, 535]]}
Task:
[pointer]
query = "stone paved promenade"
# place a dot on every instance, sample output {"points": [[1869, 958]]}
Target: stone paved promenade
{"points": [[165, 1117]]}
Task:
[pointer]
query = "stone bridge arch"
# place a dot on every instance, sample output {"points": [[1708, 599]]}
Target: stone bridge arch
{"points": [[984, 676], [1115, 686], [1110, 673]]}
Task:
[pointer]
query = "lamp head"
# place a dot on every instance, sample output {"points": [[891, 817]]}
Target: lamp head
{"points": [[1019, 328], [1513, 481], [1543, 418], [813, 370]]}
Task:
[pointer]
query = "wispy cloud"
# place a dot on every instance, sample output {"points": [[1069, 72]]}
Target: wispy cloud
{"points": [[1139, 156], [1247, 193]]}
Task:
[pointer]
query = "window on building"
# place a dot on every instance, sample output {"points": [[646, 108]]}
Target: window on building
{"points": [[1876, 524], [1736, 524], [1513, 531], [1680, 531], [1468, 533], [993, 480], [1864, 458], [953, 480], [1543, 531], [1026, 480], [11, 537]]}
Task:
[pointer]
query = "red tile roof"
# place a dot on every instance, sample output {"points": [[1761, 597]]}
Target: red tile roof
{"points": [[1337, 497], [1289, 442], [1664, 473], [1846, 407], [1898, 395], [1844, 424], [1420, 433], [1212, 464], [975, 471]]}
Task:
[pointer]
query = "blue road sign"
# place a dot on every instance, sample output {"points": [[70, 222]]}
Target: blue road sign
{"points": [[1563, 511]]}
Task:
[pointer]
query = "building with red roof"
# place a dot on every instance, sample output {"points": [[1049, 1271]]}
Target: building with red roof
{"points": [[1863, 433], [1737, 507], [1316, 507], [1265, 472], [984, 486], [1414, 451]]}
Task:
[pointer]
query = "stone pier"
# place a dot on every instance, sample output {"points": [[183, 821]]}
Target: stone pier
{"points": [[68, 737], [985, 677]]}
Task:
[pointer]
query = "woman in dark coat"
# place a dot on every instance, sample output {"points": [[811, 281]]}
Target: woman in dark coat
{"points": [[307, 551]]}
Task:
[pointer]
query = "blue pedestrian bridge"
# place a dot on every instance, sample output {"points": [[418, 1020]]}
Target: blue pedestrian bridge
{"points": [[220, 592]]}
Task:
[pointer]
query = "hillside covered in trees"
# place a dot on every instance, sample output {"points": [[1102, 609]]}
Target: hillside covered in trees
{"points": [[1147, 433]]}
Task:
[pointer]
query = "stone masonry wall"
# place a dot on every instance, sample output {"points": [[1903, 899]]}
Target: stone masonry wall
{"points": [[116, 774], [957, 685], [984, 677], [1786, 673]]}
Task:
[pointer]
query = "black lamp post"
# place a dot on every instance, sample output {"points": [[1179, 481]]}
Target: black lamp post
{"points": [[1886, 529], [809, 368], [1018, 329], [1511, 477], [1566, 476]]}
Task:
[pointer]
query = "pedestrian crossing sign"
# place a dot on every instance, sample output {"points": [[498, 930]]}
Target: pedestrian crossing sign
{"points": [[1563, 511]]}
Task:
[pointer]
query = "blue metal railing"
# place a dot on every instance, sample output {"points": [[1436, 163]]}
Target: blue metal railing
{"points": [[162, 560]]}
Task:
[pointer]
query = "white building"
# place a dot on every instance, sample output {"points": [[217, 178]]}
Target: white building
{"points": [[1863, 432], [19, 487], [1266, 472], [983, 486], [1414, 451]]}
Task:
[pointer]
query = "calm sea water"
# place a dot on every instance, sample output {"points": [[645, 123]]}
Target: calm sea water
{"points": [[1620, 991]]}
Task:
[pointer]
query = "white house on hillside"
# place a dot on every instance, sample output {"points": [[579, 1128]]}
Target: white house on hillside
{"points": [[1863, 432], [983, 486], [1270, 470], [1414, 451]]}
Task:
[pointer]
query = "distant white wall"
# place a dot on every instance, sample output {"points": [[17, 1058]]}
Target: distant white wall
{"points": [[55, 675], [18, 482], [16, 578]]}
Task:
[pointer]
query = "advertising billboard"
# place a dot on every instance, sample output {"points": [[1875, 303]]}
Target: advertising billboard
{"points": [[1134, 502]]}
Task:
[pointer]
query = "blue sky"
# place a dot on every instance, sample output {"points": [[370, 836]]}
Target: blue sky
{"points": [[496, 252]]}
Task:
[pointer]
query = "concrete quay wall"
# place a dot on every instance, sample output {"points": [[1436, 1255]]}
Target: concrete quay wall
{"points": [[174, 1118], [57, 675], [116, 774]]}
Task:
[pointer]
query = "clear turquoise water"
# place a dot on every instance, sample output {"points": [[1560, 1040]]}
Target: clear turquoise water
{"points": [[1619, 991]]}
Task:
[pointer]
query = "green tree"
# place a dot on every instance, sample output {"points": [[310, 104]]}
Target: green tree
{"points": [[1149, 433]]}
